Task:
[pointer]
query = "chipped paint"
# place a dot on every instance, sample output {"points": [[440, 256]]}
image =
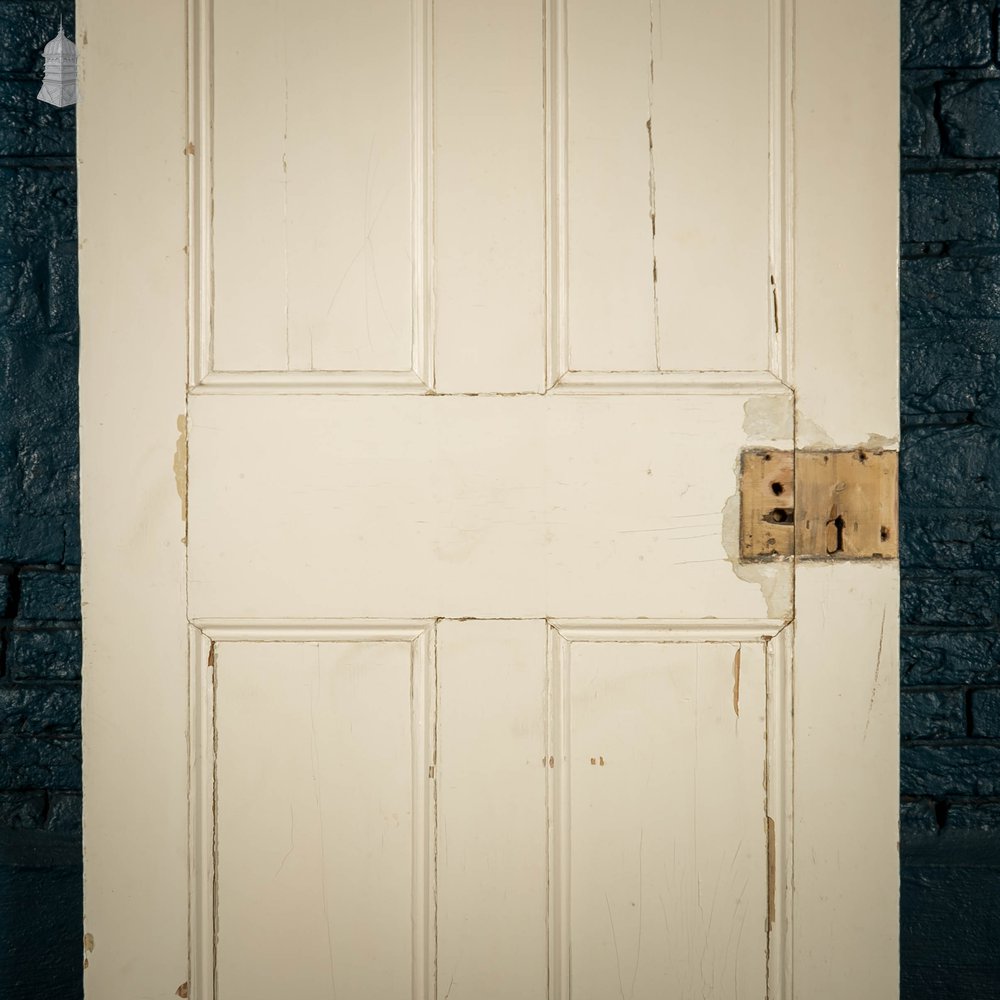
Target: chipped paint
{"points": [[182, 990], [181, 469], [768, 420], [811, 435]]}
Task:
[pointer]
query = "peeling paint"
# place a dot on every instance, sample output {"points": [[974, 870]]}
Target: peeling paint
{"points": [[769, 420], [181, 470], [811, 435]]}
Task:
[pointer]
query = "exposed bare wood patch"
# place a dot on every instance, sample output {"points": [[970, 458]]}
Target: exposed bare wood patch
{"points": [[847, 503], [819, 504], [767, 504], [181, 468]]}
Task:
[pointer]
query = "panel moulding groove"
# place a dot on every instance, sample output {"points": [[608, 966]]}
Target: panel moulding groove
{"points": [[423, 702], [312, 630], [701, 383], [202, 375], [557, 808], [779, 810], [676, 630], [781, 204], [556, 185], [201, 819]]}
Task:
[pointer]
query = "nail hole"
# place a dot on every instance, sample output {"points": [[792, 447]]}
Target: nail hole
{"points": [[780, 515], [885, 534]]}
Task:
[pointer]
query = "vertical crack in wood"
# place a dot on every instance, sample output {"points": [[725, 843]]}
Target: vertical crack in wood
{"points": [[652, 181]]}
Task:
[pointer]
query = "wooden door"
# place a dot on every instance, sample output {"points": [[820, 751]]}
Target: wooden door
{"points": [[422, 341]]}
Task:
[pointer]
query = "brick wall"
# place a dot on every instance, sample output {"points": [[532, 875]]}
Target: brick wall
{"points": [[39, 509], [950, 304], [41, 897], [950, 500]]}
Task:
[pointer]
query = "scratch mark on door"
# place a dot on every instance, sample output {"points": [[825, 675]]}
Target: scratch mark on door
{"points": [[736, 681], [652, 180], [878, 667], [614, 941]]}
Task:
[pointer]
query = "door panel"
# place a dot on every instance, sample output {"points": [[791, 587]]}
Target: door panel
{"points": [[312, 227], [313, 868], [667, 849], [528, 506], [657, 118]]}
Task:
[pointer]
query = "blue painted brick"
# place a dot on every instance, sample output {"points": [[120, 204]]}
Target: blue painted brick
{"points": [[37, 203], [951, 770], [986, 713], [950, 467], [28, 127], [25, 27], [932, 714], [39, 710], [39, 447], [939, 290], [951, 658], [62, 309], [22, 810], [970, 118], [951, 368], [949, 598], [953, 33], [919, 132], [22, 284], [28, 762], [45, 655], [49, 596], [950, 539], [918, 817], [64, 812], [975, 817], [942, 207]]}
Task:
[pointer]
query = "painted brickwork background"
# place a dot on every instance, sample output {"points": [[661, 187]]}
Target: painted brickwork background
{"points": [[39, 508], [950, 497], [40, 875]]}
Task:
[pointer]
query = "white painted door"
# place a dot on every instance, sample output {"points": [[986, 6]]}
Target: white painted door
{"points": [[422, 339]]}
